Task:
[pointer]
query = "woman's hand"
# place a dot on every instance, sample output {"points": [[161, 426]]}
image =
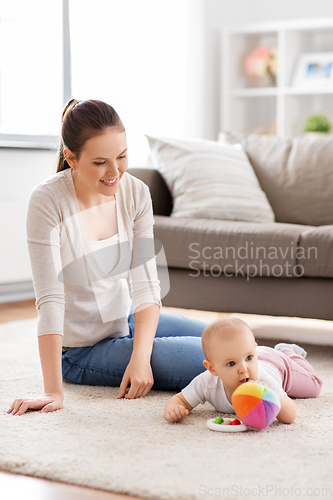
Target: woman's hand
{"points": [[47, 403], [139, 374]]}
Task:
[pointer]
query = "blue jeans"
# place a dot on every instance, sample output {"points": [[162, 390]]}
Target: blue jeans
{"points": [[176, 358]]}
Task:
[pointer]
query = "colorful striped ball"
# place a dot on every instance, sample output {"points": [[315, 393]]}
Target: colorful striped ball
{"points": [[255, 405]]}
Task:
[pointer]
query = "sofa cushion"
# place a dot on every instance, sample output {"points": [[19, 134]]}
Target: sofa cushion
{"points": [[208, 179], [296, 174], [230, 247], [317, 251]]}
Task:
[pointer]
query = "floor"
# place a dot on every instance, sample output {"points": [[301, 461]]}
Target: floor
{"points": [[13, 311], [16, 486]]}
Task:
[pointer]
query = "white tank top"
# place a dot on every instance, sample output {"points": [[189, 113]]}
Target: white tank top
{"points": [[108, 260], [113, 256]]}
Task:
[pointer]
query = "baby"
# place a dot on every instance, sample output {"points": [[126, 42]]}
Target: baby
{"points": [[233, 358]]}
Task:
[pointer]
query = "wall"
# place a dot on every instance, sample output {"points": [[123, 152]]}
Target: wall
{"points": [[21, 170], [225, 13]]}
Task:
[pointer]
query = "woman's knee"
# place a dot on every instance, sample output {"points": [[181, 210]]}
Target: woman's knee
{"points": [[176, 361], [174, 325]]}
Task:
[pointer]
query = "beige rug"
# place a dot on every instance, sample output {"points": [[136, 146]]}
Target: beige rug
{"points": [[127, 446]]}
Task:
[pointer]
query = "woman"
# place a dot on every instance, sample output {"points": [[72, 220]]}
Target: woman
{"points": [[83, 226]]}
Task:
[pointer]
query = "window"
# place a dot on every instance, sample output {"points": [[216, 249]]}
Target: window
{"points": [[142, 57], [31, 74]]}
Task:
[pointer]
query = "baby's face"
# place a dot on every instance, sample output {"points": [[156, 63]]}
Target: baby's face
{"points": [[235, 360]]}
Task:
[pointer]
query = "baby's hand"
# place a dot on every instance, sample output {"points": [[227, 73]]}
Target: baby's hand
{"points": [[177, 408], [176, 413]]}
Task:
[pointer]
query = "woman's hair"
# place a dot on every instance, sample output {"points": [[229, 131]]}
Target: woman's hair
{"points": [[82, 120]]}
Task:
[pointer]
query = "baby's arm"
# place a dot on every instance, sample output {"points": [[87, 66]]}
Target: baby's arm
{"points": [[288, 411], [177, 408]]}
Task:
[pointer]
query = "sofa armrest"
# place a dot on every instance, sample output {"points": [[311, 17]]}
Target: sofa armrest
{"points": [[160, 194]]}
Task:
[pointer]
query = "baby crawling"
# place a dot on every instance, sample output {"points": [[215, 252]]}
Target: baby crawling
{"points": [[233, 358]]}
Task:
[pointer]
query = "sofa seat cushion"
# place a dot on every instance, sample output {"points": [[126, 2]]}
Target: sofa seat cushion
{"points": [[296, 174], [230, 247], [317, 243]]}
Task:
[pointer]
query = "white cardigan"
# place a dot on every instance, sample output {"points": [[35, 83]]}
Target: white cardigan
{"points": [[82, 293]]}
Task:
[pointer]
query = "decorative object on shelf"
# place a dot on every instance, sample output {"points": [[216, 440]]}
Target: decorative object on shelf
{"points": [[269, 129], [314, 70], [262, 63], [318, 123]]}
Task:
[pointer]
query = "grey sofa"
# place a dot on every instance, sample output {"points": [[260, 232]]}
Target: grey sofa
{"points": [[284, 268]]}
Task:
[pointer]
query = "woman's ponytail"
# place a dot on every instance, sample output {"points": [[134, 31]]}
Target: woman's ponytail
{"points": [[61, 160]]}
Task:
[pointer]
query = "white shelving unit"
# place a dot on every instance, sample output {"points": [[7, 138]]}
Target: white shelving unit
{"points": [[267, 106]]}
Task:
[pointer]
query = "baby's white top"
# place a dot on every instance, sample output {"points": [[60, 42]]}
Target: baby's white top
{"points": [[84, 288]]}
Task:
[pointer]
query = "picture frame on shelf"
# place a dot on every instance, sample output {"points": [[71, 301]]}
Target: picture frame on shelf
{"points": [[314, 70]]}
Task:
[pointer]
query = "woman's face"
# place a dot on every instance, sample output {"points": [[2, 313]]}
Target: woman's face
{"points": [[102, 163]]}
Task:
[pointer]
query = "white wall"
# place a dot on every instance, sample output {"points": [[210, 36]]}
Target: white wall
{"points": [[224, 13], [20, 170]]}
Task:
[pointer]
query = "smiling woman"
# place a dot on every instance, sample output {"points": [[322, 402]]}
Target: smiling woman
{"points": [[99, 320]]}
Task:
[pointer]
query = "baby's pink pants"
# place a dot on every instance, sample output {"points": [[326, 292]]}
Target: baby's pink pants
{"points": [[299, 379]]}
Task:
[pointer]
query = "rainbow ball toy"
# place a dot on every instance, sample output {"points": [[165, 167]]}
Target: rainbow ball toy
{"points": [[255, 405]]}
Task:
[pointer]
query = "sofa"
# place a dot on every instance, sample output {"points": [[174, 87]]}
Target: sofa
{"points": [[280, 267]]}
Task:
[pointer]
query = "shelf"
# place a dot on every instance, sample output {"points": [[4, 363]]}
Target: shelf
{"points": [[305, 25], [274, 91], [255, 92], [307, 90], [248, 105]]}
